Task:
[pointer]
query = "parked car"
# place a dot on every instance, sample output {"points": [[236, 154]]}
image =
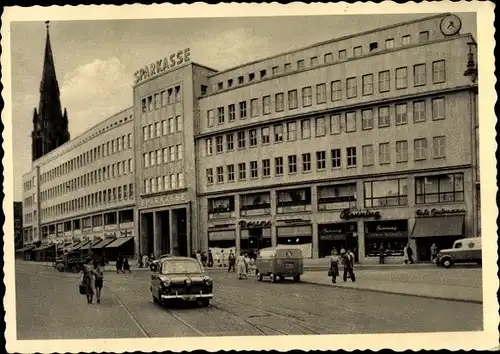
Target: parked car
{"points": [[72, 262], [181, 278], [279, 262], [154, 263], [466, 250]]}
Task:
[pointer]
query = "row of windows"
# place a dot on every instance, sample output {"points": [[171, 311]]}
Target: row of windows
{"points": [[112, 195], [106, 149], [420, 152], [28, 218], [166, 155], [165, 183], [161, 99], [264, 106], [29, 201], [165, 127], [339, 122], [357, 51], [102, 174], [29, 184], [108, 218]]}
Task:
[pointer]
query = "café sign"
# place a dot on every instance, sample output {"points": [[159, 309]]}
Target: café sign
{"points": [[249, 224], [438, 212], [162, 65], [165, 199], [347, 214]]}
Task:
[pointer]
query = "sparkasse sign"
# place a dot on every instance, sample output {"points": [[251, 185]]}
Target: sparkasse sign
{"points": [[162, 65]]}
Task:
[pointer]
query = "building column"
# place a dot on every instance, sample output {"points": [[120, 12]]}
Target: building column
{"points": [[314, 211], [361, 241], [192, 242], [137, 239], [172, 221], [143, 237], [274, 217], [237, 240], [156, 233]]}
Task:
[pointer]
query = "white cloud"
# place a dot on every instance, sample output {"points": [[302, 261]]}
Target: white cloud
{"points": [[95, 91]]}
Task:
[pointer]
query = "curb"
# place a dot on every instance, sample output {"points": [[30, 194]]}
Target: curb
{"points": [[480, 302]]}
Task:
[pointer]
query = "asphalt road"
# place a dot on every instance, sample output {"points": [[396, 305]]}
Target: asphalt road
{"points": [[50, 307]]}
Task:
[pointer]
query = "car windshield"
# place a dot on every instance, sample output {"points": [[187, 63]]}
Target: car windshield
{"points": [[180, 267]]}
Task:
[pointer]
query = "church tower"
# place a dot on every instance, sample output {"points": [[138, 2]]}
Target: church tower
{"points": [[50, 124]]}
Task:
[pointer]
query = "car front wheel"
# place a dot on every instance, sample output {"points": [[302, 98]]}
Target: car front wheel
{"points": [[447, 263]]}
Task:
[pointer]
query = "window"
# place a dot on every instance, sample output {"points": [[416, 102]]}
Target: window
{"points": [[438, 71], [153, 185], [203, 91], [263, 74], [208, 146], [279, 102], [384, 119], [367, 119], [367, 84], [241, 80], [336, 90], [220, 115], [170, 96], [144, 106], [306, 96], [305, 128], [406, 40], [288, 67], [210, 176], [243, 110], [335, 124], [402, 151], [437, 108], [254, 171], [251, 77], [438, 143], [180, 180], [420, 148], [229, 83], [147, 187], [352, 87], [389, 43], [401, 114], [384, 81], [265, 135], [177, 93], [391, 192], [275, 70], [328, 58], [292, 164], [210, 117], [242, 168], [419, 111], [291, 129], [320, 93], [384, 153], [351, 157], [230, 173], [342, 54], [157, 101], [241, 140], [314, 61], [266, 104], [419, 75], [254, 107], [152, 158], [320, 126], [300, 64], [159, 157], [219, 144], [230, 142], [278, 162], [401, 78], [423, 36], [266, 168], [373, 46], [292, 99], [171, 125], [367, 151], [232, 113], [253, 137], [336, 158], [278, 133], [439, 189], [350, 120], [320, 160], [220, 174], [306, 162]]}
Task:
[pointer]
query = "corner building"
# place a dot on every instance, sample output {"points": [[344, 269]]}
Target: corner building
{"points": [[357, 142]]}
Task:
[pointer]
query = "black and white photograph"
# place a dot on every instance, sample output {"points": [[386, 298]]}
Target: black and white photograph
{"points": [[252, 176]]}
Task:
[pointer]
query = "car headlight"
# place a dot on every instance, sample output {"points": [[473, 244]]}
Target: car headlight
{"points": [[208, 281], [166, 282]]}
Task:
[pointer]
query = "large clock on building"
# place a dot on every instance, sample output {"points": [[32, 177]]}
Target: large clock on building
{"points": [[450, 25]]}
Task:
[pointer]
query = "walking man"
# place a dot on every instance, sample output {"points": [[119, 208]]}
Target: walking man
{"points": [[381, 254], [348, 263], [433, 252], [232, 261]]}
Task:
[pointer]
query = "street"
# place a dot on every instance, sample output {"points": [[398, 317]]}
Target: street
{"points": [[50, 307]]}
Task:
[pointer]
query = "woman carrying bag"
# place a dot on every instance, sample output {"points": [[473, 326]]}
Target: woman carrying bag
{"points": [[88, 279], [334, 266]]}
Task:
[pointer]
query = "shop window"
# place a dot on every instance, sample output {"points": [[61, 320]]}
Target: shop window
{"points": [[393, 192], [342, 196], [255, 204], [391, 235], [254, 238], [221, 208], [439, 189], [294, 200], [297, 236]]}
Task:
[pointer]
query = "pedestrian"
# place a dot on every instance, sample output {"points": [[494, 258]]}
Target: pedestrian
{"points": [[89, 279], [198, 256], [410, 254], [242, 267], [247, 261], [433, 252], [334, 265], [231, 261], [139, 260], [405, 254], [193, 255], [381, 254], [119, 264], [203, 258], [348, 263], [99, 278], [145, 261], [222, 259], [126, 265], [210, 259]]}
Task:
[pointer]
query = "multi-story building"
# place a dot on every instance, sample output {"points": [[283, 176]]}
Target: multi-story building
{"points": [[357, 142]]}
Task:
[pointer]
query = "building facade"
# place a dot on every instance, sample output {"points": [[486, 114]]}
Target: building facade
{"points": [[357, 142]]}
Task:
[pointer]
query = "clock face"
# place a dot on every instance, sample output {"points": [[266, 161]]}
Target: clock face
{"points": [[450, 25]]}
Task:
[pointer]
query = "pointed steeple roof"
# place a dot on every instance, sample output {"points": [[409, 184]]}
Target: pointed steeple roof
{"points": [[49, 82]]}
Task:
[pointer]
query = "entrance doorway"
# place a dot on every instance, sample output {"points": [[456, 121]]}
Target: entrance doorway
{"points": [[147, 234], [163, 232], [180, 217], [424, 245]]}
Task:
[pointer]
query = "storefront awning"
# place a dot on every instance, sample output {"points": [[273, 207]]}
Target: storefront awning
{"points": [[119, 242], [438, 226], [27, 248], [222, 235], [82, 245], [71, 246], [103, 243], [43, 247]]}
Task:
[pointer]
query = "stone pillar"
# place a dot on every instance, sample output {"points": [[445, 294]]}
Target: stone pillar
{"points": [[361, 241], [192, 242], [137, 239], [237, 233], [143, 236], [274, 218], [172, 221], [314, 211], [156, 234]]}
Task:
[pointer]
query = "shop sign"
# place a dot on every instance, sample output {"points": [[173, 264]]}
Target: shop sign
{"points": [[250, 224], [162, 65], [165, 199], [438, 212], [347, 214], [295, 221], [220, 226]]}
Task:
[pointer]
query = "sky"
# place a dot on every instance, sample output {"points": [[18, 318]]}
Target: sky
{"points": [[95, 60]]}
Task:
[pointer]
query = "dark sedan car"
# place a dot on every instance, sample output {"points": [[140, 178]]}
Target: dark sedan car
{"points": [[181, 278]]}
